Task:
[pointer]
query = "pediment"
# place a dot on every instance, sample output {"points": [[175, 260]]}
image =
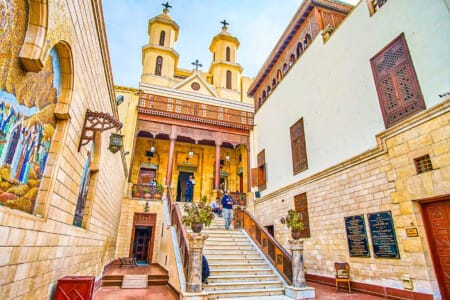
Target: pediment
{"points": [[196, 84]]}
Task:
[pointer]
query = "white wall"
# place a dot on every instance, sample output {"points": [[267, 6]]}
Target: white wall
{"points": [[332, 87]]}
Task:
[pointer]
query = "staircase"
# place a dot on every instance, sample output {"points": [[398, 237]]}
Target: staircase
{"points": [[237, 269], [135, 281]]}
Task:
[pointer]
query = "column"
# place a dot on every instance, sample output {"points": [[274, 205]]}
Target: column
{"points": [[194, 278], [298, 289], [173, 137], [217, 175]]}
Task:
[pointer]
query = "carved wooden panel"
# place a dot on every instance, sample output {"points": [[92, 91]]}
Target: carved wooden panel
{"points": [[298, 147], [144, 219], [437, 224], [396, 81], [301, 205], [261, 159], [153, 128]]}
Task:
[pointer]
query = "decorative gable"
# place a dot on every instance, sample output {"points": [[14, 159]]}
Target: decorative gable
{"points": [[196, 83]]}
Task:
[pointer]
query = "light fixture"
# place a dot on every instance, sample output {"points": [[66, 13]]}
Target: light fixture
{"points": [[115, 142], [191, 153], [227, 157]]}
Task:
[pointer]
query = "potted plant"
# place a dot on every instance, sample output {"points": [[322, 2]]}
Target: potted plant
{"points": [[159, 191], [197, 214], [293, 220], [137, 190]]}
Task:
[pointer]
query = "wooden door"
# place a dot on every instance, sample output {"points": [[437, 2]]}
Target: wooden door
{"points": [[436, 217], [141, 245], [145, 175]]}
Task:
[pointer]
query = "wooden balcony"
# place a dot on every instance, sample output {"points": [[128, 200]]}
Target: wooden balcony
{"points": [[195, 112]]}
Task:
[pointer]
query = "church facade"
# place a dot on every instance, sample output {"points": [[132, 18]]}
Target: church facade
{"points": [[362, 150], [179, 124]]}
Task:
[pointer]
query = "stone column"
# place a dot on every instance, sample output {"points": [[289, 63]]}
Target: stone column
{"points": [[194, 278], [217, 175], [298, 290], [173, 137]]}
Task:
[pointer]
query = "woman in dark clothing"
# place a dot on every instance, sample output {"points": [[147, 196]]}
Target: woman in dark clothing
{"points": [[205, 270]]}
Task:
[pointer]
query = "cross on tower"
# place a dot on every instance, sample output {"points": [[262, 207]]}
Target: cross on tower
{"points": [[166, 6], [197, 64], [225, 23]]}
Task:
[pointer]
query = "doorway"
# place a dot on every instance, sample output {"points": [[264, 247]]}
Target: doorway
{"points": [[436, 219], [183, 177], [142, 244]]}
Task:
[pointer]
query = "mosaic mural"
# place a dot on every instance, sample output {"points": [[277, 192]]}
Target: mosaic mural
{"points": [[27, 104]]}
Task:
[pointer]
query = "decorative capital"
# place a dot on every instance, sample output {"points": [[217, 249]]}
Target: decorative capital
{"points": [[296, 245], [196, 240]]}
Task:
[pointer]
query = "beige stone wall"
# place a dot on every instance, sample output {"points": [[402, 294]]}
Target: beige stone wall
{"points": [[37, 251], [380, 179]]}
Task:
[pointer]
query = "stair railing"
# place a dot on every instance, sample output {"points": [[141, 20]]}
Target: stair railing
{"points": [[277, 255], [175, 218]]}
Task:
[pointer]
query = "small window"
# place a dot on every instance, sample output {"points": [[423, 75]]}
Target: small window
{"points": [[159, 62], [307, 40], [291, 60], [279, 75], [285, 68], [229, 86], [162, 38], [423, 164], [264, 96], [228, 54], [269, 90], [258, 174], [301, 206], [274, 84]]}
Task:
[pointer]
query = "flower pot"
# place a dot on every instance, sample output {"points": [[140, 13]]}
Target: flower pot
{"points": [[197, 227], [296, 234], [148, 196], [157, 196]]}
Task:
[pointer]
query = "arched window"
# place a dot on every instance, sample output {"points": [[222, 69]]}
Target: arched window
{"points": [[299, 49], [228, 54], [291, 60], [259, 102], [285, 68], [159, 62], [307, 40], [279, 75], [214, 56], [269, 90], [274, 84], [162, 37], [229, 80], [264, 96]]}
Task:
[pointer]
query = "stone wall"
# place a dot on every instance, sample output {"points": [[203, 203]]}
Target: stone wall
{"points": [[381, 179], [39, 248]]}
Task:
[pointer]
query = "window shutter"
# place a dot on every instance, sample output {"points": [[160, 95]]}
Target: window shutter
{"points": [[396, 82], [298, 147], [261, 159], [254, 177], [301, 205]]}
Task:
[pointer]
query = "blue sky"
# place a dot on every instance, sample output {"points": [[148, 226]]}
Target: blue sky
{"points": [[258, 24]]}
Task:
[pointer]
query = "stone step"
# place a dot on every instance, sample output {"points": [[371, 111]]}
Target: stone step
{"points": [[242, 278], [221, 286], [225, 247], [236, 272], [229, 252], [236, 260], [226, 243], [245, 293], [135, 281], [224, 265], [233, 256]]}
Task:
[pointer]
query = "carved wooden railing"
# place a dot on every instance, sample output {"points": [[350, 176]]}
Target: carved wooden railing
{"points": [[375, 5], [192, 111], [175, 219], [279, 257]]}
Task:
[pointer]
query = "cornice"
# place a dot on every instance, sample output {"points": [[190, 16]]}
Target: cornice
{"points": [[379, 150], [290, 31], [224, 36], [164, 19], [126, 88], [224, 63]]}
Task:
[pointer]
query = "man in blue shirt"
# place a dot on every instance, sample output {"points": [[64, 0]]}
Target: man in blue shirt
{"points": [[227, 211], [189, 189]]}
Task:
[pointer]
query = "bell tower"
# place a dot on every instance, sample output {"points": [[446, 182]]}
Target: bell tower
{"points": [[159, 59], [225, 71]]}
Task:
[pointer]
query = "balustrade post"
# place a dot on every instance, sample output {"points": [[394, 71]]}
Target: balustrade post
{"points": [[298, 290], [194, 277]]}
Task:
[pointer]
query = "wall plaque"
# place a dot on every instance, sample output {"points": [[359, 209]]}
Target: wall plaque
{"points": [[358, 245], [382, 230]]}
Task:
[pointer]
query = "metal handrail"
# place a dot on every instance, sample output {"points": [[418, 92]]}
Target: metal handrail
{"points": [[274, 251]]}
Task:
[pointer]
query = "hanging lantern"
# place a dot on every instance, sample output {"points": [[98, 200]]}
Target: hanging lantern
{"points": [[115, 142]]}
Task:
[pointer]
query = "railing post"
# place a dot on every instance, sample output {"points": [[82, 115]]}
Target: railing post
{"points": [[298, 290], [194, 278]]}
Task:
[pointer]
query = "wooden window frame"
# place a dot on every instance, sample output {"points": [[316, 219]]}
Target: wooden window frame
{"points": [[228, 54], [158, 67], [162, 38], [298, 147], [301, 205], [229, 79], [399, 79]]}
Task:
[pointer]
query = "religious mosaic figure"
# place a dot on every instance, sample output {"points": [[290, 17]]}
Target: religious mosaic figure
{"points": [[27, 104]]}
